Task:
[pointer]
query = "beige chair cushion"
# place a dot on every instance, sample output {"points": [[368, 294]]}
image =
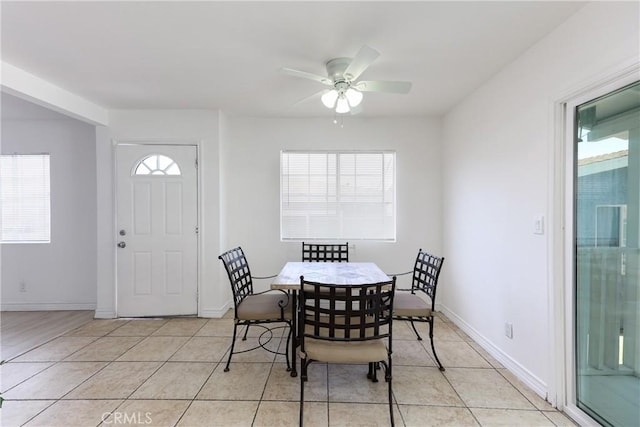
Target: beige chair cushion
{"points": [[408, 304], [345, 352], [263, 307]]}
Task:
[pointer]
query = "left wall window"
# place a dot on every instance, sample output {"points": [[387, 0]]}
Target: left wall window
{"points": [[25, 198]]}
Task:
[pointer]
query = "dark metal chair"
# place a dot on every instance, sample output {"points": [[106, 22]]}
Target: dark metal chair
{"points": [[411, 305], [346, 324], [323, 252], [254, 308]]}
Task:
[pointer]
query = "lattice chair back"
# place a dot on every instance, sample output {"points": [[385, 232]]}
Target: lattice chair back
{"points": [[346, 312], [239, 274], [425, 275], [323, 252]]}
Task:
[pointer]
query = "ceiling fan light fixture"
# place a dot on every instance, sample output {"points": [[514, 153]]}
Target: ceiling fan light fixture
{"points": [[354, 97], [329, 98], [342, 106]]}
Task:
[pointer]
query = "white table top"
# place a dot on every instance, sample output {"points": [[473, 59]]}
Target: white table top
{"points": [[341, 273]]}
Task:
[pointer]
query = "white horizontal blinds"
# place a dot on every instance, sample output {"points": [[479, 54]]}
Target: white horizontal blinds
{"points": [[337, 195], [25, 198]]}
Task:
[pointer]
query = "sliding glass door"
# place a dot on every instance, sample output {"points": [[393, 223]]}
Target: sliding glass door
{"points": [[607, 258]]}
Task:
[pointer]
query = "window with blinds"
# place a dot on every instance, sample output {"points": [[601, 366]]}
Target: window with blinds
{"points": [[25, 199], [337, 195]]}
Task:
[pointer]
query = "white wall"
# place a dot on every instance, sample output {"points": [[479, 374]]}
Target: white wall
{"points": [[60, 275], [251, 159], [198, 127], [497, 152]]}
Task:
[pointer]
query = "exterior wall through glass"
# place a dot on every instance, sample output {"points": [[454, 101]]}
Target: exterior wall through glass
{"points": [[607, 263]]}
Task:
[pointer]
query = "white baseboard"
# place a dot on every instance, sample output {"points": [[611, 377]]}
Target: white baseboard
{"points": [[216, 313], [46, 306], [105, 314], [522, 373]]}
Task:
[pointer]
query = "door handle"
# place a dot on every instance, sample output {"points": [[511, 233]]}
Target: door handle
{"points": [[122, 244]]}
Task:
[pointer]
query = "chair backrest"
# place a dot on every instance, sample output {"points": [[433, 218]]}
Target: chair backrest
{"points": [[346, 312], [323, 252], [425, 274], [239, 274]]}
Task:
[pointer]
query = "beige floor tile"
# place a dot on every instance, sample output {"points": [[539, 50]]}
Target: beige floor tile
{"points": [[104, 349], [55, 350], [282, 386], [15, 413], [72, 413], [54, 382], [441, 331], [117, 381], [258, 355], [283, 414], [457, 354], [436, 416], [139, 327], [175, 380], [486, 388], [217, 328], [510, 418], [181, 327], [402, 331], [12, 374], [411, 353], [409, 387], [362, 414], [532, 396], [97, 328], [245, 381], [154, 349], [489, 358], [203, 349], [147, 413], [216, 413], [349, 383]]}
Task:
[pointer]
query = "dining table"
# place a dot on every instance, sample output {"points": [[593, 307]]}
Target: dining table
{"points": [[339, 273]]}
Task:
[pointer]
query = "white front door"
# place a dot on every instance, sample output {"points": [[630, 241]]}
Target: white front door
{"points": [[156, 230]]}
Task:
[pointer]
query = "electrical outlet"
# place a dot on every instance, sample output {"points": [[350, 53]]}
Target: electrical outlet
{"points": [[23, 287], [508, 330]]}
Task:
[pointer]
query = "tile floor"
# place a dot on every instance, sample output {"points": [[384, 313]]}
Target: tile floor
{"points": [[169, 372]]}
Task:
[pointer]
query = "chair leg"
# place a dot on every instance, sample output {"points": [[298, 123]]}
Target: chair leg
{"points": [[433, 348], [286, 351], [246, 331], [233, 343], [372, 374], [416, 331], [303, 379], [388, 377]]}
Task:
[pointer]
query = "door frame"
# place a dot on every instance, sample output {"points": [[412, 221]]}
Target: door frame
{"points": [[561, 253], [157, 141]]}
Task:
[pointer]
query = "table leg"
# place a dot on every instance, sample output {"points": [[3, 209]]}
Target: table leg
{"points": [[294, 334]]}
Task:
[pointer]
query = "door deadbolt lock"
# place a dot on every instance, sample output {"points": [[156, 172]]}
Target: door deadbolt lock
{"points": [[123, 233], [122, 244]]}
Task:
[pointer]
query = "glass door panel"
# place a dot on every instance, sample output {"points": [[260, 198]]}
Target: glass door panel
{"points": [[607, 230]]}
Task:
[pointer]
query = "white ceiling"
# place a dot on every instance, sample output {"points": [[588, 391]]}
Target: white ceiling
{"points": [[227, 55]]}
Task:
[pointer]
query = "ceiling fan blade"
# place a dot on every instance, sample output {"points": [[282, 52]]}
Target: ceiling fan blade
{"points": [[303, 74], [360, 62], [316, 95], [383, 86]]}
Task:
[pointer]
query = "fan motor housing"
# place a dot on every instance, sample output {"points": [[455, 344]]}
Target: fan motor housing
{"points": [[336, 68]]}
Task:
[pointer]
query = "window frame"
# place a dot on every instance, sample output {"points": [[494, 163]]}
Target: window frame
{"points": [[391, 236], [45, 198]]}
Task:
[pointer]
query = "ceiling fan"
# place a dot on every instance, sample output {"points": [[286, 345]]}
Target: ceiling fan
{"points": [[345, 93]]}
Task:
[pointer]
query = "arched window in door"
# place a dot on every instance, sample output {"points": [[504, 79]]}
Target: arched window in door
{"points": [[157, 164]]}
